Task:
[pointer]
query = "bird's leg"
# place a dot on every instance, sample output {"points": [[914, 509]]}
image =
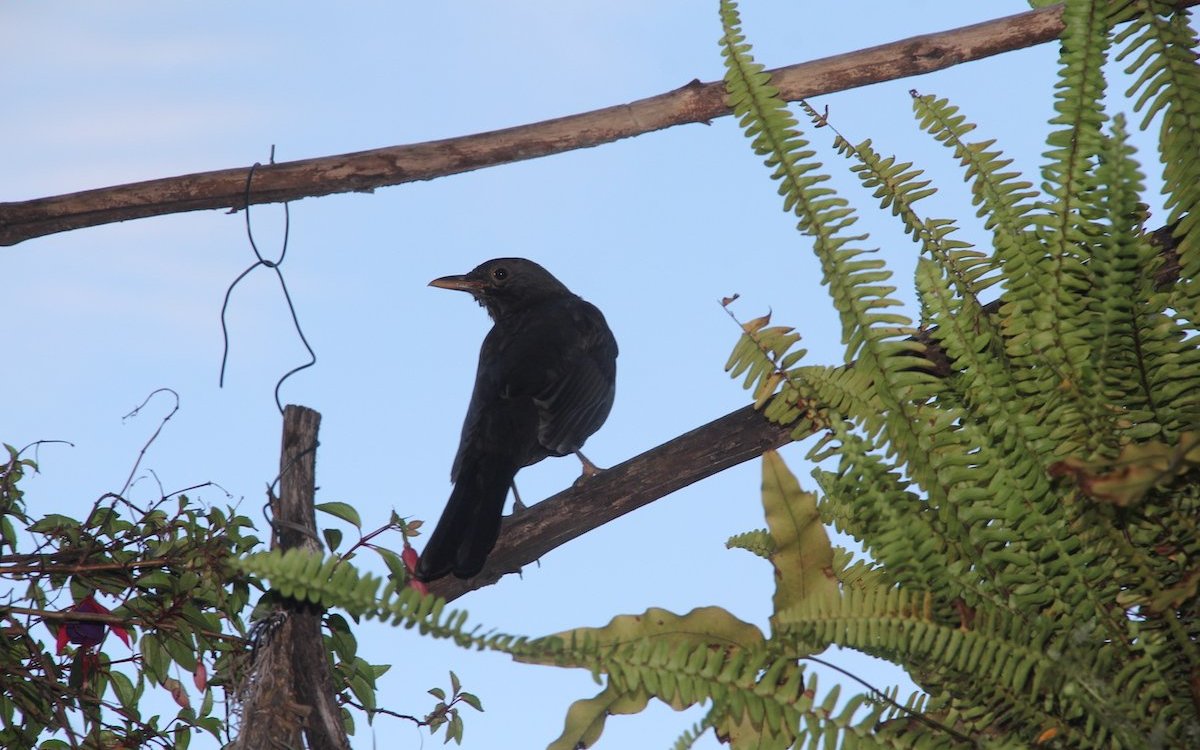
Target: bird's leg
{"points": [[518, 506], [589, 469]]}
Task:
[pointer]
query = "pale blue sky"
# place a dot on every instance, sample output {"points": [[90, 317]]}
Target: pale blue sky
{"points": [[654, 230]]}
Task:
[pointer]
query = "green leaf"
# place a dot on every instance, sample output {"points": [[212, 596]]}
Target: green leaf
{"points": [[157, 579], [8, 533], [344, 511], [471, 700], [123, 688], [342, 637], [179, 646], [333, 538], [454, 730], [394, 563], [155, 660], [53, 521], [711, 626], [364, 691], [802, 556], [585, 718]]}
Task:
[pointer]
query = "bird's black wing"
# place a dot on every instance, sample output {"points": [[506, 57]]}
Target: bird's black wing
{"points": [[483, 393], [579, 394], [498, 357]]}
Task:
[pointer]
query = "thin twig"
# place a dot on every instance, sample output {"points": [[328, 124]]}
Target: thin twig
{"points": [[157, 432]]}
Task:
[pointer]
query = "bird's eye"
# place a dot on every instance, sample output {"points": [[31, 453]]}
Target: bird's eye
{"points": [[500, 274]]}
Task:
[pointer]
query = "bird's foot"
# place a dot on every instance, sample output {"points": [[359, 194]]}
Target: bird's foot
{"points": [[589, 469], [518, 506]]}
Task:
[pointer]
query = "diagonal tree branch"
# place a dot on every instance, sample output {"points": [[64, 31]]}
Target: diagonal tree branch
{"points": [[592, 502], [367, 170]]}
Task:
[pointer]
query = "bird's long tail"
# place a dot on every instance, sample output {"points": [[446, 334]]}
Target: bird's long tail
{"points": [[470, 524]]}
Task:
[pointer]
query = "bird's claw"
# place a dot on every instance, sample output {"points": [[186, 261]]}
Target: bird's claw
{"points": [[518, 506], [589, 469]]}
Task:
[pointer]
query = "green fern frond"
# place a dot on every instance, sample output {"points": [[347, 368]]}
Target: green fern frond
{"points": [[1053, 616], [846, 392], [849, 727], [1003, 486], [898, 187], [854, 572], [333, 582], [1029, 673], [1045, 278], [758, 542], [983, 374], [1006, 394], [1170, 366], [878, 342], [1168, 83], [775, 342], [868, 499], [690, 736], [765, 356], [1079, 96], [806, 397], [974, 344], [1003, 199], [821, 213], [1122, 268]]}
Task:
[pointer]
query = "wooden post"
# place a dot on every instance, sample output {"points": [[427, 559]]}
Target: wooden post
{"points": [[290, 694]]}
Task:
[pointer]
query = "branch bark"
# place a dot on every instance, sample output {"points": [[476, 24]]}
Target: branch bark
{"points": [[367, 170]]}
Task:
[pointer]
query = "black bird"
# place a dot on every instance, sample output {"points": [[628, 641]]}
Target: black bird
{"points": [[546, 378]]}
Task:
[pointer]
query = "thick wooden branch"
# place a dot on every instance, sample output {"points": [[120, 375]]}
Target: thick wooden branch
{"points": [[367, 170], [591, 502]]}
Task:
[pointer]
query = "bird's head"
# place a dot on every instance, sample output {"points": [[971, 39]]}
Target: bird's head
{"points": [[505, 285]]}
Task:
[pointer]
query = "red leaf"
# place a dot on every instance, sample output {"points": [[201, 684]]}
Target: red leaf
{"points": [[123, 634], [89, 604]]}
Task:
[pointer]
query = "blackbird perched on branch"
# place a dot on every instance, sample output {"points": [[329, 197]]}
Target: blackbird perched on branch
{"points": [[546, 378]]}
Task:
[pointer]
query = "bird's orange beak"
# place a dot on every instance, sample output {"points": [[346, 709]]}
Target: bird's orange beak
{"points": [[461, 283]]}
